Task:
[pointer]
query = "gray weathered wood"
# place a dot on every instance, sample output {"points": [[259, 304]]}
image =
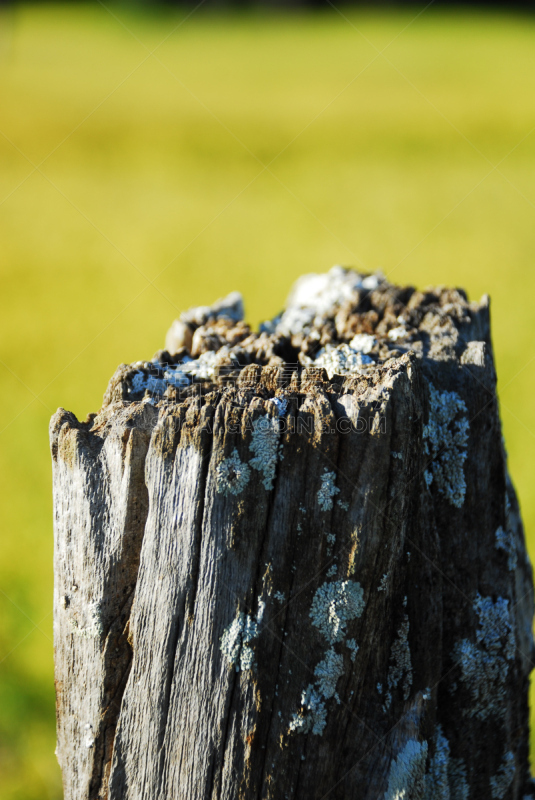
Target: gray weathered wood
{"points": [[285, 569]]}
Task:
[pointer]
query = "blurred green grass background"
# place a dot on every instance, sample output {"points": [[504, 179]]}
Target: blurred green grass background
{"points": [[151, 162]]}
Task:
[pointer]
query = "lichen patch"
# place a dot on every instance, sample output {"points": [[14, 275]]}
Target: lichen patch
{"points": [[406, 779], [265, 448], [342, 360], [232, 475], [334, 606], [445, 440], [328, 672], [236, 640], [327, 490], [485, 663]]}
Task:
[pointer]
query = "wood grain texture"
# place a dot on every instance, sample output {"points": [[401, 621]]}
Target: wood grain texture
{"points": [[270, 583]]}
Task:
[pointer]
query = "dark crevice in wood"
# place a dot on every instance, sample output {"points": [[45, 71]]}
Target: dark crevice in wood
{"points": [[218, 779], [175, 638], [262, 773], [197, 536], [178, 624]]}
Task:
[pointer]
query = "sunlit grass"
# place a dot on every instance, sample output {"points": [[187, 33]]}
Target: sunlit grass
{"points": [[243, 152]]}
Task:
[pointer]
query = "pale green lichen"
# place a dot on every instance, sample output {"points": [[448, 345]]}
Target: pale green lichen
{"points": [[327, 490], [334, 606], [231, 641], [406, 779], [236, 639], [312, 715], [265, 448], [232, 475], [484, 664], [500, 783], [328, 673], [445, 440]]}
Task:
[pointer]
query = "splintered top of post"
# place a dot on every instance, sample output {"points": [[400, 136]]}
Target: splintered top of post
{"points": [[342, 323]]}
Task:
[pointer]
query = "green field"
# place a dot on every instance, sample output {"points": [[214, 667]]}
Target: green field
{"points": [[151, 163]]}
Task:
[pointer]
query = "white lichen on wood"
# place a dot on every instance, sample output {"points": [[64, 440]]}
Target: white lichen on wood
{"points": [[334, 606], [327, 490], [265, 448], [232, 475], [312, 714], [484, 664], [342, 360], [236, 639], [445, 440], [406, 779], [314, 295], [311, 717], [362, 343], [394, 334], [328, 671]]}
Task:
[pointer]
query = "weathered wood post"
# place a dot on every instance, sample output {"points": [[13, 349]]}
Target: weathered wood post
{"points": [[290, 563]]}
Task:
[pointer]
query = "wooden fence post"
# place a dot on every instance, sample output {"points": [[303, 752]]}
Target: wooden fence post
{"points": [[290, 563]]}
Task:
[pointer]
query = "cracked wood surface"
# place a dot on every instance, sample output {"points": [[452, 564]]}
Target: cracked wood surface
{"points": [[194, 658]]}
